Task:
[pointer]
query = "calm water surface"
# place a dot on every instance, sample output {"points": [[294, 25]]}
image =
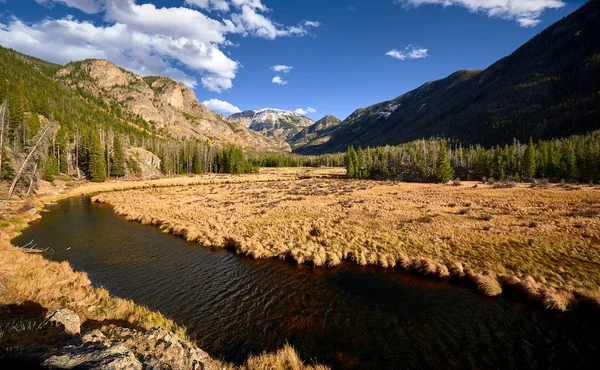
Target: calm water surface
{"points": [[346, 317]]}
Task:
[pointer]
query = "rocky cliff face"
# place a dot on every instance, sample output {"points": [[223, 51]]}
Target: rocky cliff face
{"points": [[272, 122], [169, 107]]}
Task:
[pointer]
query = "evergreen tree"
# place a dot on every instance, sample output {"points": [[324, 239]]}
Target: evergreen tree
{"points": [[117, 168], [97, 166], [33, 126], [7, 172], [50, 169], [443, 169], [351, 170], [529, 161], [196, 164]]}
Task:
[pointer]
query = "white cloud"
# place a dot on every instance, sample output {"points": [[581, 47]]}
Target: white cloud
{"points": [[279, 81], [147, 39], [282, 68], [410, 52], [306, 111], [221, 5], [221, 106], [526, 13], [312, 24], [87, 6]]}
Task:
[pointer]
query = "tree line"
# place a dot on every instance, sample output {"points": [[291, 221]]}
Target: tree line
{"points": [[296, 160], [47, 129], [574, 159]]}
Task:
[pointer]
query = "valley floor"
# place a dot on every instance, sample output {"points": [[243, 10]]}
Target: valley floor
{"points": [[542, 243], [31, 286]]}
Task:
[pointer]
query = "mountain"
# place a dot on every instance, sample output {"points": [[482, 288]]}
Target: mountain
{"points": [[316, 134], [170, 108], [549, 87], [272, 122]]}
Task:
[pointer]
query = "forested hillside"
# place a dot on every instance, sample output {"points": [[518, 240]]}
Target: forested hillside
{"points": [[550, 87], [47, 128]]}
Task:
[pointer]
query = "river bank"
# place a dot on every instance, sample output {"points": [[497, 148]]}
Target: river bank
{"points": [[529, 243], [33, 285]]}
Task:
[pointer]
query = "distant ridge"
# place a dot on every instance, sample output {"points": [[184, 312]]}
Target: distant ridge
{"points": [[272, 122], [549, 87]]}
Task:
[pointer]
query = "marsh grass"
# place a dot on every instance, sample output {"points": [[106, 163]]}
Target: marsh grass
{"points": [[28, 279], [411, 226]]}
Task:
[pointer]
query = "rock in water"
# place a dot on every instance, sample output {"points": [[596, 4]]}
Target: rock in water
{"points": [[67, 318]]}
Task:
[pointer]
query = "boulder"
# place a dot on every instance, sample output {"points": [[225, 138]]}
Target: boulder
{"points": [[67, 318], [160, 349], [96, 336], [123, 348], [91, 357]]}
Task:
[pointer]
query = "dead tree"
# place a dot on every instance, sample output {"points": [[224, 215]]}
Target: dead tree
{"points": [[31, 180], [31, 152], [3, 110]]}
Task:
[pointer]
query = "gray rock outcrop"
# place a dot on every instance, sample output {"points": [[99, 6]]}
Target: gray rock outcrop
{"points": [[123, 348], [66, 318]]}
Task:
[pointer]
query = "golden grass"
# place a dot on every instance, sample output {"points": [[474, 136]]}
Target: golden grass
{"points": [[54, 285], [284, 359], [542, 237]]}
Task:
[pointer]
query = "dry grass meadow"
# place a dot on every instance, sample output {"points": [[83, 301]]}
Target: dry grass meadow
{"points": [[30, 281], [539, 243]]}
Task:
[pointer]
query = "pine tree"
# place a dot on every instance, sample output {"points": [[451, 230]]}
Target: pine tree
{"points": [[196, 165], [50, 169], [7, 172], [351, 163], [568, 162], [117, 168], [33, 126], [443, 169], [529, 161], [97, 166]]}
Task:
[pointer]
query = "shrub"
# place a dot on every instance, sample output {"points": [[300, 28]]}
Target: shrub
{"points": [[487, 285], [464, 211], [486, 217]]}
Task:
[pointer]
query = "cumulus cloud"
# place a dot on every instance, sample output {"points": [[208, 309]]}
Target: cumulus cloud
{"points": [[306, 111], [221, 106], [150, 40], [221, 5], [410, 52], [526, 13], [87, 6], [279, 81], [282, 68]]}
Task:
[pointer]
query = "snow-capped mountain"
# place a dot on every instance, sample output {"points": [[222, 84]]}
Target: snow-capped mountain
{"points": [[273, 122]]}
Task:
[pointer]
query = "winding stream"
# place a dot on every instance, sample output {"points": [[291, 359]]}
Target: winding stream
{"points": [[345, 317]]}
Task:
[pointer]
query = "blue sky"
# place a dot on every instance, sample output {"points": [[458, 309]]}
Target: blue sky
{"points": [[343, 54]]}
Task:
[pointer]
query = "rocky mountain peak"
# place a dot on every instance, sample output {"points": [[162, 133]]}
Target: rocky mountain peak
{"points": [[169, 106], [273, 122]]}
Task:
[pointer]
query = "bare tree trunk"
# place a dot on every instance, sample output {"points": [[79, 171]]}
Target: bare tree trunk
{"points": [[77, 155], [20, 171], [2, 119], [31, 180]]}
